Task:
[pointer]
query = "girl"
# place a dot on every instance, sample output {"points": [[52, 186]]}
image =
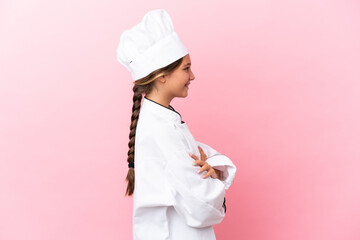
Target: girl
{"points": [[178, 184]]}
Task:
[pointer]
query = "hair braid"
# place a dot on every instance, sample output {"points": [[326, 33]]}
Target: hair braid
{"points": [[131, 153]]}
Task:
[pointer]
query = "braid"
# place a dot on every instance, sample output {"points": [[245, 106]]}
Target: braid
{"points": [[131, 153]]}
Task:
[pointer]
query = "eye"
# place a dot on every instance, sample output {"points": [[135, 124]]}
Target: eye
{"points": [[186, 68]]}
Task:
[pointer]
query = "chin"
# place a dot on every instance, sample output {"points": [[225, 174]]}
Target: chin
{"points": [[182, 94]]}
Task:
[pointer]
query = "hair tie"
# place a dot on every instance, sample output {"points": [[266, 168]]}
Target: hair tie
{"points": [[131, 165], [224, 205]]}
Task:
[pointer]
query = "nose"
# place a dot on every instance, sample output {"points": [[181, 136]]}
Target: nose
{"points": [[192, 76]]}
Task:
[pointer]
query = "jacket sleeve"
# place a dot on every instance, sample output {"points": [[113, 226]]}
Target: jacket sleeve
{"points": [[197, 200], [220, 162]]}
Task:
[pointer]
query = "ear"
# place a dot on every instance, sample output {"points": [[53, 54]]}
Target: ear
{"points": [[162, 79]]}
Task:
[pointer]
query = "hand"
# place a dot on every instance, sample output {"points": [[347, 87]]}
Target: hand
{"points": [[214, 173], [204, 158]]}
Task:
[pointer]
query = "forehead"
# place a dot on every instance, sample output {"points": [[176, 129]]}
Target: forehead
{"points": [[186, 60]]}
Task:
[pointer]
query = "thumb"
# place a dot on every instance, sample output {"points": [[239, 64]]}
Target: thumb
{"points": [[202, 154]]}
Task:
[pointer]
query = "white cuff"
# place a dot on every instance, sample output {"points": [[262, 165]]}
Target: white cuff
{"points": [[225, 165]]}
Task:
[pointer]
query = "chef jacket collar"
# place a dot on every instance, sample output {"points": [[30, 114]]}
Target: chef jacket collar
{"points": [[163, 111]]}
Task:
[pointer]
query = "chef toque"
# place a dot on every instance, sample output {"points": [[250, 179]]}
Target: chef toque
{"points": [[150, 45]]}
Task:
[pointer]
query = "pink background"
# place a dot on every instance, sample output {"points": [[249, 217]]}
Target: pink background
{"points": [[276, 89]]}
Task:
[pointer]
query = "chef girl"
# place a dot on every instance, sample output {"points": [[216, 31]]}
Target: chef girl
{"points": [[178, 184]]}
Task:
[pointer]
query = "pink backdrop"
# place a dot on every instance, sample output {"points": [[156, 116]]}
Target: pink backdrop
{"points": [[276, 89]]}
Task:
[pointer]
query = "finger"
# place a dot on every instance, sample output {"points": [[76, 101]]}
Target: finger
{"points": [[206, 175], [205, 167], [193, 156], [202, 154], [198, 162]]}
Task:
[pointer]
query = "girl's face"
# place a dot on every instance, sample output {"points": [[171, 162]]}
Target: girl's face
{"points": [[177, 82]]}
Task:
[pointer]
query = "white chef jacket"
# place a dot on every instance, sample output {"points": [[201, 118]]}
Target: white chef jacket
{"points": [[171, 200]]}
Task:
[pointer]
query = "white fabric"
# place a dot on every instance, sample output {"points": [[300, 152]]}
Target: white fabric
{"points": [[150, 44], [171, 200]]}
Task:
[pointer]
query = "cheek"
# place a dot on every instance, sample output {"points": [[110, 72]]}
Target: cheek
{"points": [[185, 77], [176, 84], [179, 81]]}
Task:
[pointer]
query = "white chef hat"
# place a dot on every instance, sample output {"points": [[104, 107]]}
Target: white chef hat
{"points": [[150, 44]]}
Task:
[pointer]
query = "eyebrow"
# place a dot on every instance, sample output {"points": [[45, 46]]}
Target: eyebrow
{"points": [[187, 64]]}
